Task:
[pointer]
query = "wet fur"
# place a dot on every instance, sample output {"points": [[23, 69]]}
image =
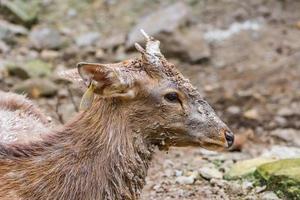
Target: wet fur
{"points": [[84, 160]]}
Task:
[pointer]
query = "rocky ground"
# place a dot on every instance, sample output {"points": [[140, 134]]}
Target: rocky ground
{"points": [[244, 56]]}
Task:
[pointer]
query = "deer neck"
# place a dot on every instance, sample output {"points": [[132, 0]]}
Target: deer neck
{"points": [[95, 156]]}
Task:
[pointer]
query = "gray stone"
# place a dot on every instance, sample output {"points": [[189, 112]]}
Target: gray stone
{"points": [[49, 54], [17, 70], [25, 12], [247, 185], [235, 187], [292, 109], [166, 19], [233, 110], [185, 180], [269, 195], [87, 39], [178, 173], [8, 30], [281, 121], [113, 41], [36, 88], [209, 173], [33, 68], [281, 152], [188, 45], [4, 47], [288, 135], [38, 68], [45, 38]]}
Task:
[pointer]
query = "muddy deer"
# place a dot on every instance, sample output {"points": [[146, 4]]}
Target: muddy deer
{"points": [[129, 109]]}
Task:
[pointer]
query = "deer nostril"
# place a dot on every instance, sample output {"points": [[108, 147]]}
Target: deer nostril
{"points": [[229, 138]]}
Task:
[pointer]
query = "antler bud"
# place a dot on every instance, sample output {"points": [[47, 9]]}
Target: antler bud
{"points": [[152, 52]]}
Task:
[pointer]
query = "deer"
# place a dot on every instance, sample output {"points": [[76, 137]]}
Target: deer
{"points": [[129, 110]]}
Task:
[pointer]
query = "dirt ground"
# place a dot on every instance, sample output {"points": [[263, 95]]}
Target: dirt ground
{"points": [[251, 77]]}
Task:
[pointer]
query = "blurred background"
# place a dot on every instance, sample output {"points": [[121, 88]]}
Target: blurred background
{"points": [[244, 57]]}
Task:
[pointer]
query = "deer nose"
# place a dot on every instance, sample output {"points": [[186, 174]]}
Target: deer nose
{"points": [[229, 138]]}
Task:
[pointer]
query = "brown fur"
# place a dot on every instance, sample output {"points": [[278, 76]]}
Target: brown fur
{"points": [[102, 161]]}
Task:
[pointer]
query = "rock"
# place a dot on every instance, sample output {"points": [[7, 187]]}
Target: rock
{"points": [[297, 25], [38, 68], [8, 30], [289, 111], [166, 20], [4, 47], [241, 14], [235, 187], [247, 185], [21, 11], [113, 41], [219, 182], [268, 196], [280, 121], [251, 114], [282, 176], [157, 187], [209, 173], [33, 68], [234, 110], [285, 112], [36, 88], [168, 163], [281, 152], [185, 180], [3, 70], [246, 167], [260, 188], [45, 38], [49, 54], [72, 12], [178, 173], [188, 45], [17, 70], [99, 54], [207, 153], [219, 35], [87, 39], [288, 135]]}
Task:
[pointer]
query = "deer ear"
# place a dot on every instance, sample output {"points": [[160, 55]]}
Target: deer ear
{"points": [[107, 80]]}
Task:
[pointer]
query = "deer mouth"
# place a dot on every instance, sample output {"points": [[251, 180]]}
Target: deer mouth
{"points": [[214, 145], [204, 142]]}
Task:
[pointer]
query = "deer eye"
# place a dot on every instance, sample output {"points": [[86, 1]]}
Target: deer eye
{"points": [[172, 97]]}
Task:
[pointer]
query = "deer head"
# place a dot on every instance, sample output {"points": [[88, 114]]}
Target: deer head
{"points": [[162, 106]]}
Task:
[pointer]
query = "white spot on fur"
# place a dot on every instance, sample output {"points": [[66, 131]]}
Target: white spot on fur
{"points": [[19, 126]]}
